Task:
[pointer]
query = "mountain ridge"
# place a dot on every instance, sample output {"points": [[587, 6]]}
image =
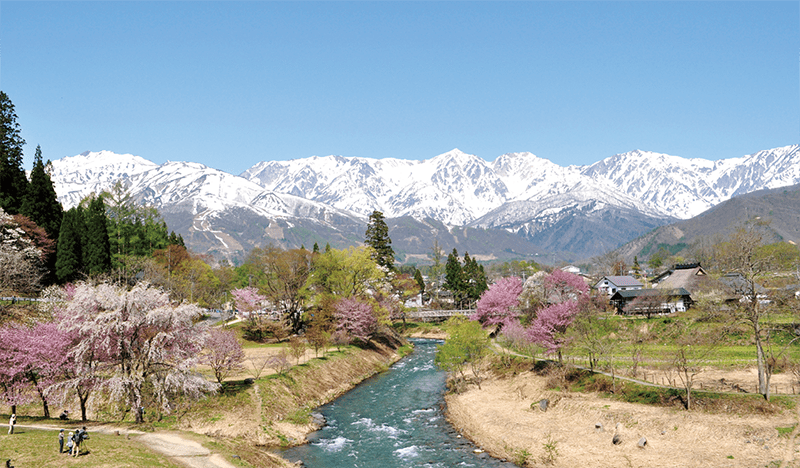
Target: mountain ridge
{"points": [[517, 193]]}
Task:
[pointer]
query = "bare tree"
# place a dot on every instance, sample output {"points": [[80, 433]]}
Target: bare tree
{"points": [[692, 352], [742, 254]]}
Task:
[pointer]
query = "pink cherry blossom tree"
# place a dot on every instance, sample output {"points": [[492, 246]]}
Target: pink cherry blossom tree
{"points": [[515, 336], [564, 286], [247, 299], [223, 354], [550, 326], [34, 358], [497, 305], [135, 337], [356, 318]]}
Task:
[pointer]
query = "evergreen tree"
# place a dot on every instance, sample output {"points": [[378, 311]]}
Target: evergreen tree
{"points": [[97, 249], [420, 281], [13, 183], [377, 237], [175, 239], [454, 277], [316, 248], [69, 256], [40, 203], [637, 269], [475, 278]]}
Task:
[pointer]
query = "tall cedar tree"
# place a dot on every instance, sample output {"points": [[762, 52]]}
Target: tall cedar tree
{"points": [[475, 278], [454, 277], [40, 203], [69, 256], [420, 281], [96, 249], [377, 237], [13, 183]]}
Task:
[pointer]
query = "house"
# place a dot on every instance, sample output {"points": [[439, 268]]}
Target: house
{"points": [[651, 301], [611, 284], [571, 269], [741, 288], [687, 276]]}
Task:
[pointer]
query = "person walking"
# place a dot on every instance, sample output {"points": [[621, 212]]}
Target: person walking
{"points": [[70, 443], [11, 422], [61, 441], [76, 449]]}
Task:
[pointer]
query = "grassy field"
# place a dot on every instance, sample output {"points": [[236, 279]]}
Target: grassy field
{"points": [[39, 448]]}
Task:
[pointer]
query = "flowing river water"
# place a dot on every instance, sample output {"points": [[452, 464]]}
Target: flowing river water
{"points": [[394, 419]]}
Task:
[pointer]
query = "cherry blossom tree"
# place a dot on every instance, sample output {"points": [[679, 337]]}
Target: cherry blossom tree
{"points": [[34, 358], [136, 337], [564, 286], [356, 318], [224, 353], [248, 301], [497, 305], [515, 336], [550, 326]]}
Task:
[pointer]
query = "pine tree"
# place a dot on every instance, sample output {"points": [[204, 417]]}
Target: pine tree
{"points": [[377, 237], [454, 277], [40, 203], [69, 256], [13, 183], [637, 269], [97, 249], [475, 278], [420, 281]]}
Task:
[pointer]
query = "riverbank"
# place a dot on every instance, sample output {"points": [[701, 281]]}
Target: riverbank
{"points": [[500, 419], [276, 411]]}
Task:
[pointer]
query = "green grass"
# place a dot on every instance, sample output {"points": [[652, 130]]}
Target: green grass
{"points": [[39, 448]]}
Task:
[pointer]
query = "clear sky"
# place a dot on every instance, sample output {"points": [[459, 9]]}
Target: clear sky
{"points": [[230, 84]]}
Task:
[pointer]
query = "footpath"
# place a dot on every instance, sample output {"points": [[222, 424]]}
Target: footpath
{"points": [[186, 452]]}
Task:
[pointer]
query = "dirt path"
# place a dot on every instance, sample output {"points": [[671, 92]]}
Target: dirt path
{"points": [[179, 449]]}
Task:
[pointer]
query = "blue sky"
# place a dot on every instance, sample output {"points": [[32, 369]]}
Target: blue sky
{"points": [[230, 84]]}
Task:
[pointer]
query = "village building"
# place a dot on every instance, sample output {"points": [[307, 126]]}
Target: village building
{"points": [[611, 284], [689, 276], [651, 301]]}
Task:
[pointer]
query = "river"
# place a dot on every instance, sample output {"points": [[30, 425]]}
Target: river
{"points": [[394, 419]]}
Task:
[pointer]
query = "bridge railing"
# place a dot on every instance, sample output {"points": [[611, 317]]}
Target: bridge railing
{"points": [[439, 313]]}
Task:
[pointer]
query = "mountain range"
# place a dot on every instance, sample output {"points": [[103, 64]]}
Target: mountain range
{"points": [[518, 205]]}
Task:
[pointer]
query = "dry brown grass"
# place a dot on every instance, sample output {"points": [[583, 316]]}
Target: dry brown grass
{"points": [[500, 419], [270, 411]]}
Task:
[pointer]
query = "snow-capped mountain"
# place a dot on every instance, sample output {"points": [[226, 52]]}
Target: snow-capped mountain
{"points": [[328, 198], [214, 211], [459, 188]]}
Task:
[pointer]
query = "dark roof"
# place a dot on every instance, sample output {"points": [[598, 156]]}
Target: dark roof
{"points": [[739, 284], [633, 293]]}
